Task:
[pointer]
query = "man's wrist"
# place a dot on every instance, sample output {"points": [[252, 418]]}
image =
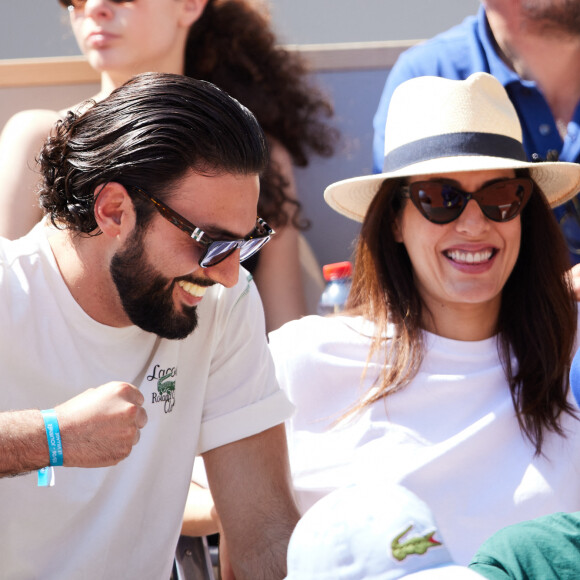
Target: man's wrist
{"points": [[23, 442], [52, 429], [53, 437]]}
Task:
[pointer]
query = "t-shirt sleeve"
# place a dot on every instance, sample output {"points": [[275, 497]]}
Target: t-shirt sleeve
{"points": [[243, 396], [282, 344]]}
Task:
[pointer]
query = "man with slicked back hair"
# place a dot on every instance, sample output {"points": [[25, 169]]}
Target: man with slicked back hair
{"points": [[133, 340]]}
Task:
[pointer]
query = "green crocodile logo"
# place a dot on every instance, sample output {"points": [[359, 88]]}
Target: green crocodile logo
{"points": [[417, 545], [164, 386]]}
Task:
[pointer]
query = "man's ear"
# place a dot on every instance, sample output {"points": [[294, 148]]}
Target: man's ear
{"points": [[192, 11], [114, 211]]}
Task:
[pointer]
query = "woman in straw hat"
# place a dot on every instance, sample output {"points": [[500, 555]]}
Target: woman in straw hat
{"points": [[448, 371]]}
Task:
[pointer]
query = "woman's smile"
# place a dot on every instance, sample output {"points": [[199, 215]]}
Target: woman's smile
{"points": [[463, 262]]}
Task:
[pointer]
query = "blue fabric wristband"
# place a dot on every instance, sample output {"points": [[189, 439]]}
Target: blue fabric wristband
{"points": [[53, 436], [46, 477]]}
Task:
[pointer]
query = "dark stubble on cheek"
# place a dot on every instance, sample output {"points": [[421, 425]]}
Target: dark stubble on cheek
{"points": [[553, 16], [146, 296]]}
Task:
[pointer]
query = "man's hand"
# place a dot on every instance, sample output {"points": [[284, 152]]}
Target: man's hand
{"points": [[100, 426]]}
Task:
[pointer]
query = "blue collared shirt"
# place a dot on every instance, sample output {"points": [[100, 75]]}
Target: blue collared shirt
{"points": [[468, 48]]}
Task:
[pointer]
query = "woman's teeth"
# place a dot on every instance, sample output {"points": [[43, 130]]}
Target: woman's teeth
{"points": [[469, 257]]}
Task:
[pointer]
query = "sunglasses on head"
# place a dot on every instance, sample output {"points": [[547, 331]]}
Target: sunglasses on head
{"points": [[73, 4], [442, 202], [216, 251]]}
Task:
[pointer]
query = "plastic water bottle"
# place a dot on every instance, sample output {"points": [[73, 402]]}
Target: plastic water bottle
{"points": [[338, 279]]}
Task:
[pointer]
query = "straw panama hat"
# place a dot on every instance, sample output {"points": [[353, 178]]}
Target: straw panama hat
{"points": [[437, 125]]}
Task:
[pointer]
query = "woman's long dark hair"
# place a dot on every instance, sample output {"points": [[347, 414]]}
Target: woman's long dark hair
{"points": [[537, 318], [233, 46]]}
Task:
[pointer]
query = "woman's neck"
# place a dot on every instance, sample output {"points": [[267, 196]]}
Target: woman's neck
{"points": [[467, 322], [113, 79], [108, 85]]}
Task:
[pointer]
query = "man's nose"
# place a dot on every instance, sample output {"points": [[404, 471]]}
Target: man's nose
{"points": [[226, 272]]}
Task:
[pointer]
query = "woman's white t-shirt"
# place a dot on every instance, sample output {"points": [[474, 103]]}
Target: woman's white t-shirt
{"points": [[450, 436]]}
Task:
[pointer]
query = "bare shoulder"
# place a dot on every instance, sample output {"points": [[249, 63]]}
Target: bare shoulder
{"points": [[20, 142], [31, 126], [82, 106]]}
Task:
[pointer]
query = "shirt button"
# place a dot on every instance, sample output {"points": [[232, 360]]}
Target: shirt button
{"points": [[544, 129]]}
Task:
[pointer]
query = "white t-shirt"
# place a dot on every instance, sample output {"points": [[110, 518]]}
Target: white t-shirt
{"points": [[450, 436], [215, 387]]}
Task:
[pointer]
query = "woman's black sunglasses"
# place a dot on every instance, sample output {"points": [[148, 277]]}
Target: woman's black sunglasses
{"points": [[81, 3], [442, 202]]}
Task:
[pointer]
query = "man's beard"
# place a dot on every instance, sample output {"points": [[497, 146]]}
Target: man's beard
{"points": [[553, 16], [147, 297]]}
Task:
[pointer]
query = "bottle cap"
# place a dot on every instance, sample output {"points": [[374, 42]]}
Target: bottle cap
{"points": [[337, 271]]}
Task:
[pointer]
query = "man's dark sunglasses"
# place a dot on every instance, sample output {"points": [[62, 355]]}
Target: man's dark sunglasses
{"points": [[216, 251], [81, 3], [442, 202]]}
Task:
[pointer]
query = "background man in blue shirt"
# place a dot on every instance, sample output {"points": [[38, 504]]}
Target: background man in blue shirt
{"points": [[533, 48]]}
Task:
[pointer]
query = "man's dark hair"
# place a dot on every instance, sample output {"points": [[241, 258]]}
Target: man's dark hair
{"points": [[148, 133]]}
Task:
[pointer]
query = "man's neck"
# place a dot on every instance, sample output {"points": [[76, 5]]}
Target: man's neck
{"points": [[551, 60], [84, 269]]}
